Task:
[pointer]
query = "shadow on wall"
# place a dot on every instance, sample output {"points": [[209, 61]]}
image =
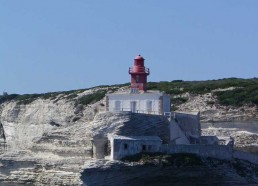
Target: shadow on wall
{"points": [[3, 145], [146, 125]]}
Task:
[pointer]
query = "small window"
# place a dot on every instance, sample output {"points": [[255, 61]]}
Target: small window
{"points": [[149, 147], [143, 147], [125, 146], [149, 106], [133, 106], [137, 79], [117, 105]]}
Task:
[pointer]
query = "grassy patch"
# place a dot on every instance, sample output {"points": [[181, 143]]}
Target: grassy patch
{"points": [[239, 96], [29, 98], [246, 91], [71, 96], [91, 98], [179, 100]]}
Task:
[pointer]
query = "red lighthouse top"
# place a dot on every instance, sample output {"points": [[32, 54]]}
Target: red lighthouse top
{"points": [[139, 75], [139, 57]]}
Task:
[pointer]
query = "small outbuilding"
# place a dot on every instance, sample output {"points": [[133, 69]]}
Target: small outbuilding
{"points": [[122, 146]]}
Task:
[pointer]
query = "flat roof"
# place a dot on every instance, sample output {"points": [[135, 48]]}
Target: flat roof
{"points": [[140, 93], [187, 113]]}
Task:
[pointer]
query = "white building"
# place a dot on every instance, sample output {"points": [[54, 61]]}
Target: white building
{"points": [[122, 146], [146, 102]]}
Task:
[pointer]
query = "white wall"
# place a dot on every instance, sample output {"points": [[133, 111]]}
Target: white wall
{"points": [[166, 103], [141, 101], [189, 123], [177, 136], [224, 152], [118, 150]]}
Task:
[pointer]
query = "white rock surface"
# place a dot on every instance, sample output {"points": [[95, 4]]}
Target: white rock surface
{"points": [[212, 111], [48, 140]]}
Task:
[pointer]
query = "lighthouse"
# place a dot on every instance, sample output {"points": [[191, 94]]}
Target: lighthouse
{"points": [[139, 75], [138, 99]]}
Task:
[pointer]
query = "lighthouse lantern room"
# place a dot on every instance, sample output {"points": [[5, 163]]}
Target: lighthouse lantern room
{"points": [[138, 75]]}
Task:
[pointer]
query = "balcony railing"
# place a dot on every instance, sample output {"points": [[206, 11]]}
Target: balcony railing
{"points": [[135, 111], [139, 70], [136, 85]]}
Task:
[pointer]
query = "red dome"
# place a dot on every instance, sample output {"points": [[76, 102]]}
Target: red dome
{"points": [[139, 57]]}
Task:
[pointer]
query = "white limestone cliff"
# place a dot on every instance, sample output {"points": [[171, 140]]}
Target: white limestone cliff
{"points": [[48, 140]]}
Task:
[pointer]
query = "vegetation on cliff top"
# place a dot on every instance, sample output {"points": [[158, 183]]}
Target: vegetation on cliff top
{"points": [[245, 92], [28, 98], [68, 95]]}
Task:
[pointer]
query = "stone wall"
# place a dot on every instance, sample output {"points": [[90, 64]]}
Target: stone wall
{"points": [[252, 158], [224, 152], [189, 123], [122, 146]]}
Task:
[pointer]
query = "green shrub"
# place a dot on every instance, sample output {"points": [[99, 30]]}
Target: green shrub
{"points": [[91, 98], [239, 96], [179, 100], [71, 96], [9, 97], [246, 93]]}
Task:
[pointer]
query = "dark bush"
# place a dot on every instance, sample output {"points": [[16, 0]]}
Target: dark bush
{"points": [[178, 160], [246, 93], [179, 100], [91, 98]]}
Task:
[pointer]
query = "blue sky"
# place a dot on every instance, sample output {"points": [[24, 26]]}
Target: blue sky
{"points": [[56, 45]]}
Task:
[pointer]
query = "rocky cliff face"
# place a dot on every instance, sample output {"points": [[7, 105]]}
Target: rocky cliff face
{"points": [[47, 141], [158, 171], [212, 111]]}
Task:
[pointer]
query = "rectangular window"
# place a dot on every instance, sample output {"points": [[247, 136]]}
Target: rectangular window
{"points": [[149, 147], [117, 105], [149, 106], [137, 79], [143, 147], [133, 106], [125, 146]]}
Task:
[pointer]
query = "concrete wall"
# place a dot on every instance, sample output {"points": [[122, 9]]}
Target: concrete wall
{"points": [[209, 140], [252, 158], [124, 147], [189, 123], [159, 102], [177, 136], [224, 152], [98, 147], [166, 103]]}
